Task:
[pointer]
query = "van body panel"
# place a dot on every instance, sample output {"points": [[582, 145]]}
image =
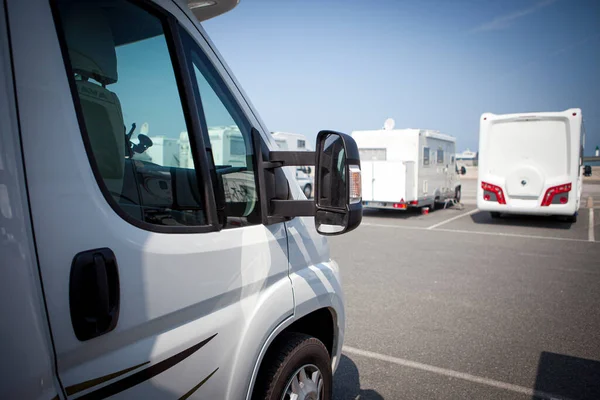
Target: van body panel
{"points": [[207, 305], [527, 154], [169, 301], [27, 369]]}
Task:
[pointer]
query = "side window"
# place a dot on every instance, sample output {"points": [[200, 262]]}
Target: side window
{"points": [[440, 156], [301, 144], [229, 133], [425, 155], [133, 119]]}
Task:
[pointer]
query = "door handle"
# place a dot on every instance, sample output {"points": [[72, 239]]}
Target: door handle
{"points": [[102, 304], [94, 293]]}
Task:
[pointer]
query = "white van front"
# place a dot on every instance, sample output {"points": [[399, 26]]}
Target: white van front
{"points": [[530, 163], [158, 245]]}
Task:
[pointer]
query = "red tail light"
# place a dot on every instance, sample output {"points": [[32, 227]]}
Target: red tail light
{"points": [[401, 206], [553, 191], [414, 202], [497, 190]]}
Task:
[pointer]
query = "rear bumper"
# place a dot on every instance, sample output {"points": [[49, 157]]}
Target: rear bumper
{"points": [[389, 205], [513, 207]]}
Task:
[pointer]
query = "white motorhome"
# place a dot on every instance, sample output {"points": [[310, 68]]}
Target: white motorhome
{"points": [[292, 141], [182, 274], [531, 163], [297, 142], [404, 168]]}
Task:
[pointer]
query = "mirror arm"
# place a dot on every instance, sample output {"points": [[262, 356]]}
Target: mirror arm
{"points": [[297, 208], [291, 158]]}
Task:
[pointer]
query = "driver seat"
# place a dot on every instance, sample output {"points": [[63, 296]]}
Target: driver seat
{"points": [[92, 52]]}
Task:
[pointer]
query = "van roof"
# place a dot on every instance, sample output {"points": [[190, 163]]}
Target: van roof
{"points": [[207, 9], [525, 115]]}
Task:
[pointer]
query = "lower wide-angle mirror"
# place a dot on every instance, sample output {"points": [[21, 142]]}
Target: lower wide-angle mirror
{"points": [[338, 206]]}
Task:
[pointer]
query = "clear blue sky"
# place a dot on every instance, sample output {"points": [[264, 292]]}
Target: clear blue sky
{"points": [[438, 64]]}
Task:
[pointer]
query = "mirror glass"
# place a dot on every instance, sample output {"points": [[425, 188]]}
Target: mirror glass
{"points": [[332, 173], [331, 181], [330, 222]]}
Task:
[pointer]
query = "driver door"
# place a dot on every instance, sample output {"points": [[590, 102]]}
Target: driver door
{"points": [[159, 279]]}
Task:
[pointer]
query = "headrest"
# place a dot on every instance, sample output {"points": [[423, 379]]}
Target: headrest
{"points": [[91, 44]]}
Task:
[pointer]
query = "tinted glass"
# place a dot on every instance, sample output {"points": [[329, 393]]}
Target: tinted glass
{"points": [[132, 111], [229, 133], [332, 173]]}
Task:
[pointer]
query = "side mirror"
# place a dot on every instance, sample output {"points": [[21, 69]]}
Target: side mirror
{"points": [[463, 170], [338, 206]]}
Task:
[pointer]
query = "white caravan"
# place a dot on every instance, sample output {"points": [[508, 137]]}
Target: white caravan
{"points": [[404, 168], [531, 163], [197, 271], [297, 142]]}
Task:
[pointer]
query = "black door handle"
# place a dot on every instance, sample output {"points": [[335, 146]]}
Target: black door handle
{"points": [[102, 304], [94, 293]]}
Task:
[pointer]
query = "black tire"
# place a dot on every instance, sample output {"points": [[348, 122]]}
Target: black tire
{"points": [[457, 194], [307, 190], [495, 214], [288, 353]]}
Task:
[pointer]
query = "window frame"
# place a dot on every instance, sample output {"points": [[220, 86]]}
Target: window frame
{"points": [[437, 156], [204, 180], [221, 82]]}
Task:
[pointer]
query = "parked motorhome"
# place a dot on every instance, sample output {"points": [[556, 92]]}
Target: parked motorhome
{"points": [[404, 168], [531, 163]]}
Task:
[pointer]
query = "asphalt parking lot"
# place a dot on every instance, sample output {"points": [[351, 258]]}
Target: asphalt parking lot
{"points": [[455, 305]]}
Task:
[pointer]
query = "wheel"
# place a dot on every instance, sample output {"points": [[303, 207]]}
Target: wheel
{"points": [[307, 191], [495, 214], [571, 218], [296, 367], [457, 194]]}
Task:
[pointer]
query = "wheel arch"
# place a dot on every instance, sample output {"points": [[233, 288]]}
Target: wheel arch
{"points": [[320, 323]]}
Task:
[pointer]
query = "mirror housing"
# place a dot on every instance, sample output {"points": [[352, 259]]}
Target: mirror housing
{"points": [[338, 197], [337, 205], [463, 170]]}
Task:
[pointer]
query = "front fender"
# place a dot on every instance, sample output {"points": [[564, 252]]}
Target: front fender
{"points": [[316, 284], [309, 302]]}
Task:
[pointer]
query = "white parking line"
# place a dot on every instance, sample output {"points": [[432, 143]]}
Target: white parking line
{"points": [[590, 204], [591, 237], [453, 218], [476, 232], [450, 373], [392, 226]]}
